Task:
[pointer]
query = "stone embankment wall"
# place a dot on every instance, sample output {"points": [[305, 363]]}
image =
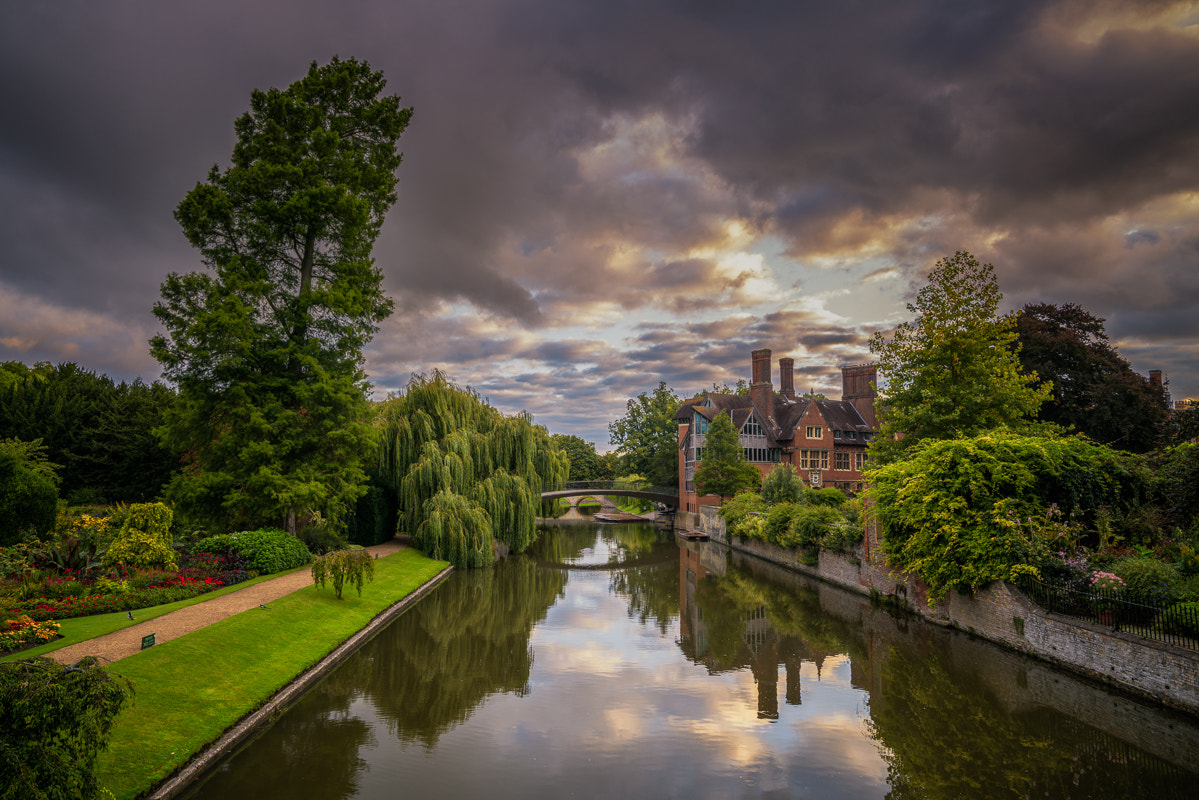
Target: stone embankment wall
{"points": [[999, 613]]}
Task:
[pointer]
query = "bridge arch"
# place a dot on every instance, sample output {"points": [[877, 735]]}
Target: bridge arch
{"points": [[666, 495]]}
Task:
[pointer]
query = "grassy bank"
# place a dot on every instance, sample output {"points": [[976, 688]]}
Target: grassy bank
{"points": [[190, 690]]}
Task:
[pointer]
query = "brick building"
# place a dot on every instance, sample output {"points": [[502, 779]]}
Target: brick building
{"points": [[825, 440]]}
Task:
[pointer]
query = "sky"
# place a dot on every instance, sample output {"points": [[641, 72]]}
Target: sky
{"points": [[598, 196]]}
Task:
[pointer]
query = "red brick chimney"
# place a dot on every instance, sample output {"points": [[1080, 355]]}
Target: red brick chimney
{"points": [[1155, 378], [858, 387], [787, 378], [761, 390]]}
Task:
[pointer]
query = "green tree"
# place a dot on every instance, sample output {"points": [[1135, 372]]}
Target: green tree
{"points": [[954, 371], [56, 720], [584, 461], [647, 437], [609, 466], [724, 470], [783, 485], [99, 431], [28, 490], [1095, 391], [266, 349], [465, 475]]}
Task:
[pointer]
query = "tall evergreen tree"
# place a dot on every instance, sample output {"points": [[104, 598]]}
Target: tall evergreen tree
{"points": [[266, 348], [723, 471], [953, 371]]}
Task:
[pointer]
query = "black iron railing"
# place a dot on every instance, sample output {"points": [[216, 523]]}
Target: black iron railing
{"points": [[1170, 623]]}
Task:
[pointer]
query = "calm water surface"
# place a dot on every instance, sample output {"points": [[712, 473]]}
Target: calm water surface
{"points": [[613, 661]]}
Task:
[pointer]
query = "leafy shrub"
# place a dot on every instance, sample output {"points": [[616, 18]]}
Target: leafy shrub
{"points": [[783, 485], [356, 566], [267, 550], [810, 524], [28, 491], [842, 537], [778, 522], [56, 720], [144, 539], [737, 514], [829, 496], [951, 512], [319, 538], [1147, 578]]}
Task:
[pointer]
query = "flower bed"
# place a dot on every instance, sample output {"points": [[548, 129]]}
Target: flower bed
{"points": [[24, 632]]}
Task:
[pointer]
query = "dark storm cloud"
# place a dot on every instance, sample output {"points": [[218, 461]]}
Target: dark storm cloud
{"points": [[571, 162]]}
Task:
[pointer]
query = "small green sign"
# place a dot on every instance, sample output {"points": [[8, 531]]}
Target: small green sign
{"points": [[147, 641]]}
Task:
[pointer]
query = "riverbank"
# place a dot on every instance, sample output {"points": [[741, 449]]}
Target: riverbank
{"points": [[202, 694], [999, 613]]}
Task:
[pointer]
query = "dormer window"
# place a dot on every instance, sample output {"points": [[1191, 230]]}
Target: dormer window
{"points": [[836, 434], [753, 428], [851, 434]]}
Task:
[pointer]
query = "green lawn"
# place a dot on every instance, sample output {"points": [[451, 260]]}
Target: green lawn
{"points": [[191, 690], [80, 629]]}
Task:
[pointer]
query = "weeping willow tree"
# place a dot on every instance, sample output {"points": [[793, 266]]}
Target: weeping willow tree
{"points": [[464, 474]]}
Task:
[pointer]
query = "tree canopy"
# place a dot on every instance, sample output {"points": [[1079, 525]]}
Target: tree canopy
{"points": [[647, 436], [266, 347], [953, 371], [464, 473], [1095, 391], [100, 433], [585, 463], [723, 470], [56, 720]]}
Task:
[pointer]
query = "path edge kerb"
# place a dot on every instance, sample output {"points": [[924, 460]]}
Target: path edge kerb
{"points": [[249, 725]]}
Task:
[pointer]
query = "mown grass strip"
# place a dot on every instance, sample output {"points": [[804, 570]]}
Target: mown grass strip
{"points": [[80, 629], [192, 689]]}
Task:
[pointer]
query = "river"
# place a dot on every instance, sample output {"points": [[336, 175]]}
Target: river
{"points": [[613, 661]]}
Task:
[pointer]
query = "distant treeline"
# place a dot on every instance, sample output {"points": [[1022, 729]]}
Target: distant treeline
{"points": [[100, 433]]}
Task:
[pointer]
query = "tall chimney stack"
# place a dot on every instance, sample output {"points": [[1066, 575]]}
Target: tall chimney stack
{"points": [[858, 387], [787, 378], [1155, 378], [761, 390]]}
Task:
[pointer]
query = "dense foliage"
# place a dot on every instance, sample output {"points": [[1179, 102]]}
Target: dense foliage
{"points": [[267, 550], [144, 539], [28, 491], [1095, 391], [953, 372], [342, 566], [464, 473], [647, 437], [56, 720], [723, 471], [100, 433], [585, 462], [266, 347], [782, 485], [963, 512]]}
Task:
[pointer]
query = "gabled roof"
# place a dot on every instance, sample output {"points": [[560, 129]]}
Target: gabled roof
{"points": [[787, 414]]}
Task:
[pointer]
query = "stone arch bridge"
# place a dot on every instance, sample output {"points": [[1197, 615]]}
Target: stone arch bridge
{"points": [[666, 495]]}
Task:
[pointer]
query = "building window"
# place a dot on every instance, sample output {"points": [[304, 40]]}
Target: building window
{"points": [[815, 432], [840, 459], [851, 434], [753, 428], [836, 434], [813, 459], [867, 436], [699, 454], [701, 424], [859, 460]]}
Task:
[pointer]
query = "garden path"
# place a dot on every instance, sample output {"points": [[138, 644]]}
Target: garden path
{"points": [[127, 641]]}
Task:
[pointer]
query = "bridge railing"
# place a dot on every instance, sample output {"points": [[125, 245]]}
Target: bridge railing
{"points": [[612, 486]]}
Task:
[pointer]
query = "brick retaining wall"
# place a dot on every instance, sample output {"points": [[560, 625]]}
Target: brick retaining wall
{"points": [[999, 613]]}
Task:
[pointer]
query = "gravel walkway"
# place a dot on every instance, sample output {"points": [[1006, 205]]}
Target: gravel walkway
{"points": [[127, 641]]}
